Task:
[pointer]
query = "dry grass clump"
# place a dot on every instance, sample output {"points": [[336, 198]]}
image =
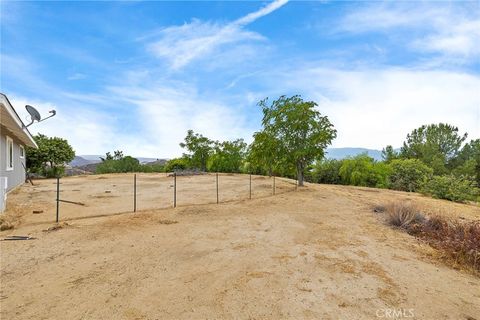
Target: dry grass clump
{"points": [[166, 221], [403, 214], [457, 240], [5, 224]]}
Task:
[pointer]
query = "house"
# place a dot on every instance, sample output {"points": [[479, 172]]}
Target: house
{"points": [[14, 137]]}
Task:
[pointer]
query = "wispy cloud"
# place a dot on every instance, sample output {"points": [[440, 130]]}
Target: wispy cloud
{"points": [[180, 45], [76, 76], [251, 17], [460, 39], [86, 130], [443, 29], [373, 107], [166, 110]]}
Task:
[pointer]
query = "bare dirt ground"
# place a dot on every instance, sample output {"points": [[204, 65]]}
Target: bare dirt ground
{"points": [[317, 253]]}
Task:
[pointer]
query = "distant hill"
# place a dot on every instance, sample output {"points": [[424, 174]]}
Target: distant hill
{"points": [[156, 162], [88, 168], [87, 162], [81, 161], [342, 153], [91, 157], [148, 160]]}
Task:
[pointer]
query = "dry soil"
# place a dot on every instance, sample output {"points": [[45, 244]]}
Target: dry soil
{"points": [[316, 253]]}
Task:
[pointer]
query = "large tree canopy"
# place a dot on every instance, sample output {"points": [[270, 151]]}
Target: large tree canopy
{"points": [[51, 156], [298, 131], [436, 145]]}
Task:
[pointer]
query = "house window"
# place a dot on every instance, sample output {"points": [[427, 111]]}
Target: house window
{"points": [[9, 153], [22, 152]]}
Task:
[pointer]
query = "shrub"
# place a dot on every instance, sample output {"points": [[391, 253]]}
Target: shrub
{"points": [[459, 241], [124, 164], [5, 224], [364, 171], [176, 164], [152, 168], [53, 172], [327, 171], [408, 174], [402, 214], [451, 188]]}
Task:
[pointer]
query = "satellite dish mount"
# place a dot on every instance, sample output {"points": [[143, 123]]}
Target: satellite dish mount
{"points": [[35, 115]]}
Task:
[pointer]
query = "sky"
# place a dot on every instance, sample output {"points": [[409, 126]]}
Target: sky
{"points": [[135, 76]]}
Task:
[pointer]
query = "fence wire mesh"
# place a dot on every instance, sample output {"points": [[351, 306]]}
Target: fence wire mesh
{"points": [[103, 195]]}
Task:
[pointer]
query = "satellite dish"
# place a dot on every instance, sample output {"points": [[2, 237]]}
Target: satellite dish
{"points": [[35, 115]]}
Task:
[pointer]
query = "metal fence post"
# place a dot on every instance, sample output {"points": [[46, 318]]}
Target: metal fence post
{"points": [[217, 186], [250, 186], [174, 189], [135, 192], [58, 198], [273, 184]]}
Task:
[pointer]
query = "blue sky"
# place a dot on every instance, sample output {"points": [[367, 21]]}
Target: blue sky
{"points": [[137, 75]]}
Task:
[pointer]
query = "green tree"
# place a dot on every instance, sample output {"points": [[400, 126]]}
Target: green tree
{"points": [[50, 157], [467, 164], [108, 156], [437, 145], [117, 155], [389, 154], [199, 148], [298, 131], [263, 155], [228, 156], [409, 174]]}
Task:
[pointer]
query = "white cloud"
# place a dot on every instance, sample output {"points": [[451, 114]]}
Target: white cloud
{"points": [[375, 107], [86, 130], [251, 17], [166, 113], [460, 39], [437, 28], [76, 76], [180, 45]]}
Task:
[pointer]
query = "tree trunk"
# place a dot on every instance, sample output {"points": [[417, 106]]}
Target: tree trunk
{"points": [[300, 174]]}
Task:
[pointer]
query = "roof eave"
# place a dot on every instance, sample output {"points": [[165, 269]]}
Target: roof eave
{"points": [[31, 142]]}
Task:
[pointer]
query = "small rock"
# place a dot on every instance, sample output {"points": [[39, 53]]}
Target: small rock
{"points": [[37, 211]]}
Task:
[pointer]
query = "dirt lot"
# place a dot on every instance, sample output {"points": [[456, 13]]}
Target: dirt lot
{"points": [[318, 253], [113, 193]]}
